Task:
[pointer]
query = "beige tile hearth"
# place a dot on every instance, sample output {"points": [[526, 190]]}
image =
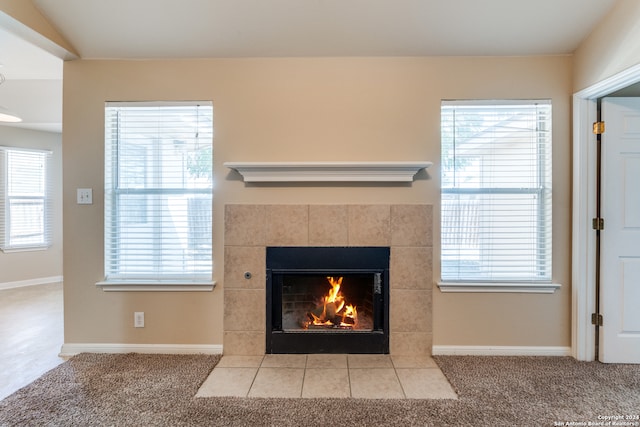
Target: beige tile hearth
{"points": [[368, 361], [240, 362], [425, 383], [413, 362], [336, 361], [228, 382], [375, 383], [326, 382], [277, 382], [367, 376], [284, 361]]}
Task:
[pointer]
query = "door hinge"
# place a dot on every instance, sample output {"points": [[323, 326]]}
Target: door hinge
{"points": [[597, 223], [598, 128], [596, 319]]}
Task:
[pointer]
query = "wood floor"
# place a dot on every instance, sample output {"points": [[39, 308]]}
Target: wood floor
{"points": [[31, 334]]}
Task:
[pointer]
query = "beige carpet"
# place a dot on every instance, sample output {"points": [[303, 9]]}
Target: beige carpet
{"points": [[159, 390]]}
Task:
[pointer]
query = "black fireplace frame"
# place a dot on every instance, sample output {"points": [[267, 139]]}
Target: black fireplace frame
{"points": [[331, 261]]}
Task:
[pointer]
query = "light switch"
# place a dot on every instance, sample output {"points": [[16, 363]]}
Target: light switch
{"points": [[85, 196]]}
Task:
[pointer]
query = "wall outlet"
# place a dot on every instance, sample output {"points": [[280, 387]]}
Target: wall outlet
{"points": [[138, 319]]}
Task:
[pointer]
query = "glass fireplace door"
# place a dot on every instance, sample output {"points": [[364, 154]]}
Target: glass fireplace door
{"points": [[317, 302]]}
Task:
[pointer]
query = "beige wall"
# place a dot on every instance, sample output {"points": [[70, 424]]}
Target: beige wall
{"points": [[33, 265], [611, 48], [305, 109]]}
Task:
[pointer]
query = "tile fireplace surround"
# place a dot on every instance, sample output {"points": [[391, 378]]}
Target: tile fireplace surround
{"points": [[405, 228]]}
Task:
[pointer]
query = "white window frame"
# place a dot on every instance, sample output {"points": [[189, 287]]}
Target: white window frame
{"points": [[194, 278], [473, 283], [43, 197]]}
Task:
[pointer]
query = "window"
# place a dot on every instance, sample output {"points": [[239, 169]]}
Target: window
{"points": [[25, 199], [158, 192], [496, 191]]}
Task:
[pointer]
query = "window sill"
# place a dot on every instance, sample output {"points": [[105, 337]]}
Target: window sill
{"points": [[496, 287], [25, 249], [155, 286]]}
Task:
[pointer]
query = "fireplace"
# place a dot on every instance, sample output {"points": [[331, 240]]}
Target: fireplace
{"points": [[406, 229], [327, 300]]}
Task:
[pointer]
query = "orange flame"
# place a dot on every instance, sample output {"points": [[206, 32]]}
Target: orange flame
{"points": [[335, 312]]}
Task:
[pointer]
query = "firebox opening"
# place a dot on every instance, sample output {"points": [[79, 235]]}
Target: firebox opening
{"points": [[318, 302], [327, 300]]}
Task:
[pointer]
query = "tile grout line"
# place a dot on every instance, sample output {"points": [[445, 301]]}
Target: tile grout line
{"points": [[254, 377], [349, 377], [395, 372], [304, 373]]}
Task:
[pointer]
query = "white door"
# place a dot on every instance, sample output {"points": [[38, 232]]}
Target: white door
{"points": [[620, 239]]}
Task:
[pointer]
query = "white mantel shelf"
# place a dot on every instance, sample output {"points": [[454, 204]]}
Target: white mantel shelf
{"points": [[327, 171]]}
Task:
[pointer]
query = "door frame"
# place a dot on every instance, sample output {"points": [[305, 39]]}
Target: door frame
{"points": [[583, 288]]}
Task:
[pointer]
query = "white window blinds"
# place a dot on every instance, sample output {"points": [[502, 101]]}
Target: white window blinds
{"points": [[25, 199], [158, 191], [496, 191]]}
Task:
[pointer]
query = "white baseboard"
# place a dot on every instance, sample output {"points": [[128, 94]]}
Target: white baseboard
{"points": [[71, 349], [472, 350], [30, 282]]}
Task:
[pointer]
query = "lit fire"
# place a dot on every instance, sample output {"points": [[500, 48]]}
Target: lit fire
{"points": [[333, 311]]}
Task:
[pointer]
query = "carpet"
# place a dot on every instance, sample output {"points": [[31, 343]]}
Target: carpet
{"points": [[159, 390]]}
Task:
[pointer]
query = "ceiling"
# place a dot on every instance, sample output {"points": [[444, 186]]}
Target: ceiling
{"points": [[277, 28]]}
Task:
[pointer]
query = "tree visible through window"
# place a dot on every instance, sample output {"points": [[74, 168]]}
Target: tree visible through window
{"points": [[25, 199], [158, 191], [496, 191]]}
